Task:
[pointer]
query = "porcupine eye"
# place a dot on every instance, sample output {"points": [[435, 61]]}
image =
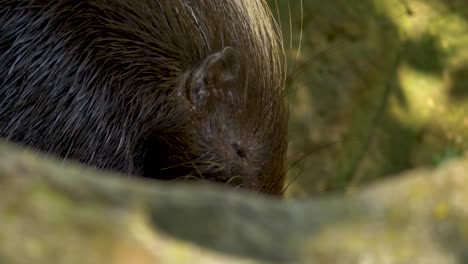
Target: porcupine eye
{"points": [[239, 151]]}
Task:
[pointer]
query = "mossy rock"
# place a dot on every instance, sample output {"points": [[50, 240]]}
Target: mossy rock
{"points": [[54, 212]]}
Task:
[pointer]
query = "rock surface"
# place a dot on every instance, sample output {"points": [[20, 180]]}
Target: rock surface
{"points": [[51, 212]]}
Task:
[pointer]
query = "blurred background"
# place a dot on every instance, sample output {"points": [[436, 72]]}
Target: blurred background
{"points": [[376, 87]]}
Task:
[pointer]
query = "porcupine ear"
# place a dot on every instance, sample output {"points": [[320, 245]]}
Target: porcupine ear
{"points": [[216, 73]]}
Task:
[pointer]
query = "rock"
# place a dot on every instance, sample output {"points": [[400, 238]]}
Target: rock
{"points": [[55, 212]]}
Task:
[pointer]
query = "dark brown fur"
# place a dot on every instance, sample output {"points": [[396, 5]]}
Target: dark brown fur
{"points": [[158, 88]]}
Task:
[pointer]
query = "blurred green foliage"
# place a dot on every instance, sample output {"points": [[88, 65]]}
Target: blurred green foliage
{"points": [[376, 87]]}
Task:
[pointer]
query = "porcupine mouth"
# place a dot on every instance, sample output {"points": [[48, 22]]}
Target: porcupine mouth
{"points": [[163, 162]]}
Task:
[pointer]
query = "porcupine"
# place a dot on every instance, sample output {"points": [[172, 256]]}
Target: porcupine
{"points": [[156, 88]]}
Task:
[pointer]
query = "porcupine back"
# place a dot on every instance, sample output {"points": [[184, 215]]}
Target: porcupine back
{"points": [[157, 88]]}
